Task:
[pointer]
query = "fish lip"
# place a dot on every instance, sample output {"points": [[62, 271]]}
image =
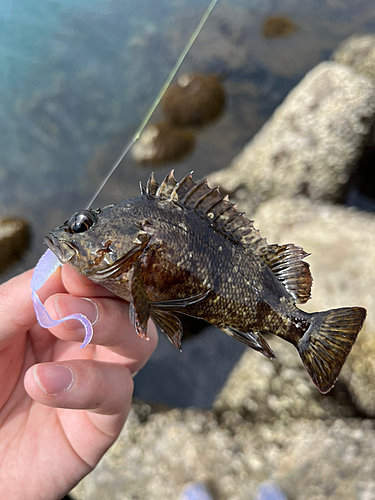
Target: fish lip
{"points": [[64, 250]]}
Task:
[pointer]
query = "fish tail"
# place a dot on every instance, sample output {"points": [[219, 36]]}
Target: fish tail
{"points": [[326, 344]]}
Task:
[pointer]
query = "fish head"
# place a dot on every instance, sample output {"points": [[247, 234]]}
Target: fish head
{"points": [[99, 243]]}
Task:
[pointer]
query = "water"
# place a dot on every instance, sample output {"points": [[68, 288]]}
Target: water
{"points": [[78, 76]]}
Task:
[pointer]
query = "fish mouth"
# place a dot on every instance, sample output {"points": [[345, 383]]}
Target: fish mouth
{"points": [[64, 250]]}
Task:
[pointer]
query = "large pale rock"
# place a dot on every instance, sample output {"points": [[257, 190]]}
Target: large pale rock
{"points": [[311, 143], [358, 52], [157, 453], [278, 390], [342, 246]]}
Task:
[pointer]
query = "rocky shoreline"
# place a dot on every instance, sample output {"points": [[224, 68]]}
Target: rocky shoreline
{"points": [[269, 421]]}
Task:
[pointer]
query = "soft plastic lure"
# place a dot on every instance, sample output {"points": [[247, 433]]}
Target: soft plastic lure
{"points": [[47, 265]]}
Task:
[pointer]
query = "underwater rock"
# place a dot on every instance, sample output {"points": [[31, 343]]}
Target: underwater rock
{"points": [[161, 143], [14, 240], [311, 143], [194, 101], [341, 241], [358, 52], [278, 27], [157, 453]]}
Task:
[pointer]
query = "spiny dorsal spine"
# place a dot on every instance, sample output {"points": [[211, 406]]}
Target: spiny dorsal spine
{"points": [[285, 261]]}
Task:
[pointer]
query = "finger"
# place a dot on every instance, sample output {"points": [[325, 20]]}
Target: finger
{"points": [[16, 308], [112, 327], [96, 386], [80, 286]]}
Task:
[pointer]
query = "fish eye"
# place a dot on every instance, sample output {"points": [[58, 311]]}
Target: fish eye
{"points": [[81, 221]]}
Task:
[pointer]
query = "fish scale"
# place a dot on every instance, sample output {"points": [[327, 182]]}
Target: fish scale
{"points": [[182, 247]]}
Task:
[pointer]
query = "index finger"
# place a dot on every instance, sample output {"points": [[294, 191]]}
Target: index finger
{"points": [[80, 286], [16, 308]]}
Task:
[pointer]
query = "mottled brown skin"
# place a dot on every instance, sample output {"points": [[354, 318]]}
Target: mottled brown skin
{"points": [[244, 294], [185, 256], [164, 255]]}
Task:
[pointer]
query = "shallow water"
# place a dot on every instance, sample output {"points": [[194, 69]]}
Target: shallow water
{"points": [[78, 77]]}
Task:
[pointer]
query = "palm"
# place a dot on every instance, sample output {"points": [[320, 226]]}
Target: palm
{"points": [[44, 445]]}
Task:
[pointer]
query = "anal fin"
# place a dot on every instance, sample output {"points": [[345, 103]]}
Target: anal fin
{"points": [[255, 340], [169, 324]]}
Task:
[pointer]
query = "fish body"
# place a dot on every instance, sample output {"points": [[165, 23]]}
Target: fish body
{"points": [[183, 247]]}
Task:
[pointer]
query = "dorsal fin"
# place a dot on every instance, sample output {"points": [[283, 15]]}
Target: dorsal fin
{"points": [[152, 185], [167, 186], [286, 261]]}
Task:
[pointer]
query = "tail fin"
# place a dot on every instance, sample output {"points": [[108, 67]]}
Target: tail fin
{"points": [[327, 343]]}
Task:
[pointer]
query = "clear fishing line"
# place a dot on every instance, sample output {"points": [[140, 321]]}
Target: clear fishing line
{"points": [[158, 98], [48, 263]]}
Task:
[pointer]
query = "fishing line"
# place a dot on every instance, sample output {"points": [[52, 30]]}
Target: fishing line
{"points": [[158, 97]]}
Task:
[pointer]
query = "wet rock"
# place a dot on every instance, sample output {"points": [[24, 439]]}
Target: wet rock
{"points": [[358, 52], [158, 453], [311, 143], [342, 245], [161, 143], [194, 101], [14, 240], [278, 27]]}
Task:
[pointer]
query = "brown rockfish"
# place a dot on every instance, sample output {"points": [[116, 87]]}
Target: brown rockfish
{"points": [[183, 247]]}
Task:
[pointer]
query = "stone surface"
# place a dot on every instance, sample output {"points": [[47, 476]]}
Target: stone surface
{"points": [[311, 143], [269, 422], [342, 246], [270, 391], [358, 52], [158, 453]]}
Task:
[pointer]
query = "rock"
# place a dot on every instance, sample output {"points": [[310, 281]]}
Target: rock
{"points": [[358, 52], [194, 101], [342, 245], [278, 27], [14, 240], [278, 390], [158, 453], [162, 143], [311, 143]]}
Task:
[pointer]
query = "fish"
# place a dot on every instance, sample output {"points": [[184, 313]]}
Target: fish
{"points": [[183, 247]]}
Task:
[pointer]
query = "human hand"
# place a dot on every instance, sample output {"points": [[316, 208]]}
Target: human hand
{"points": [[62, 407]]}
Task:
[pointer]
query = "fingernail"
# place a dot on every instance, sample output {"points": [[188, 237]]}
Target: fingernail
{"points": [[67, 304], [53, 379]]}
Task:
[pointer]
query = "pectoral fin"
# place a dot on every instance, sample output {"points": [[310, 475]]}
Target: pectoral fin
{"points": [[167, 321], [169, 324], [140, 306], [254, 340], [180, 303]]}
